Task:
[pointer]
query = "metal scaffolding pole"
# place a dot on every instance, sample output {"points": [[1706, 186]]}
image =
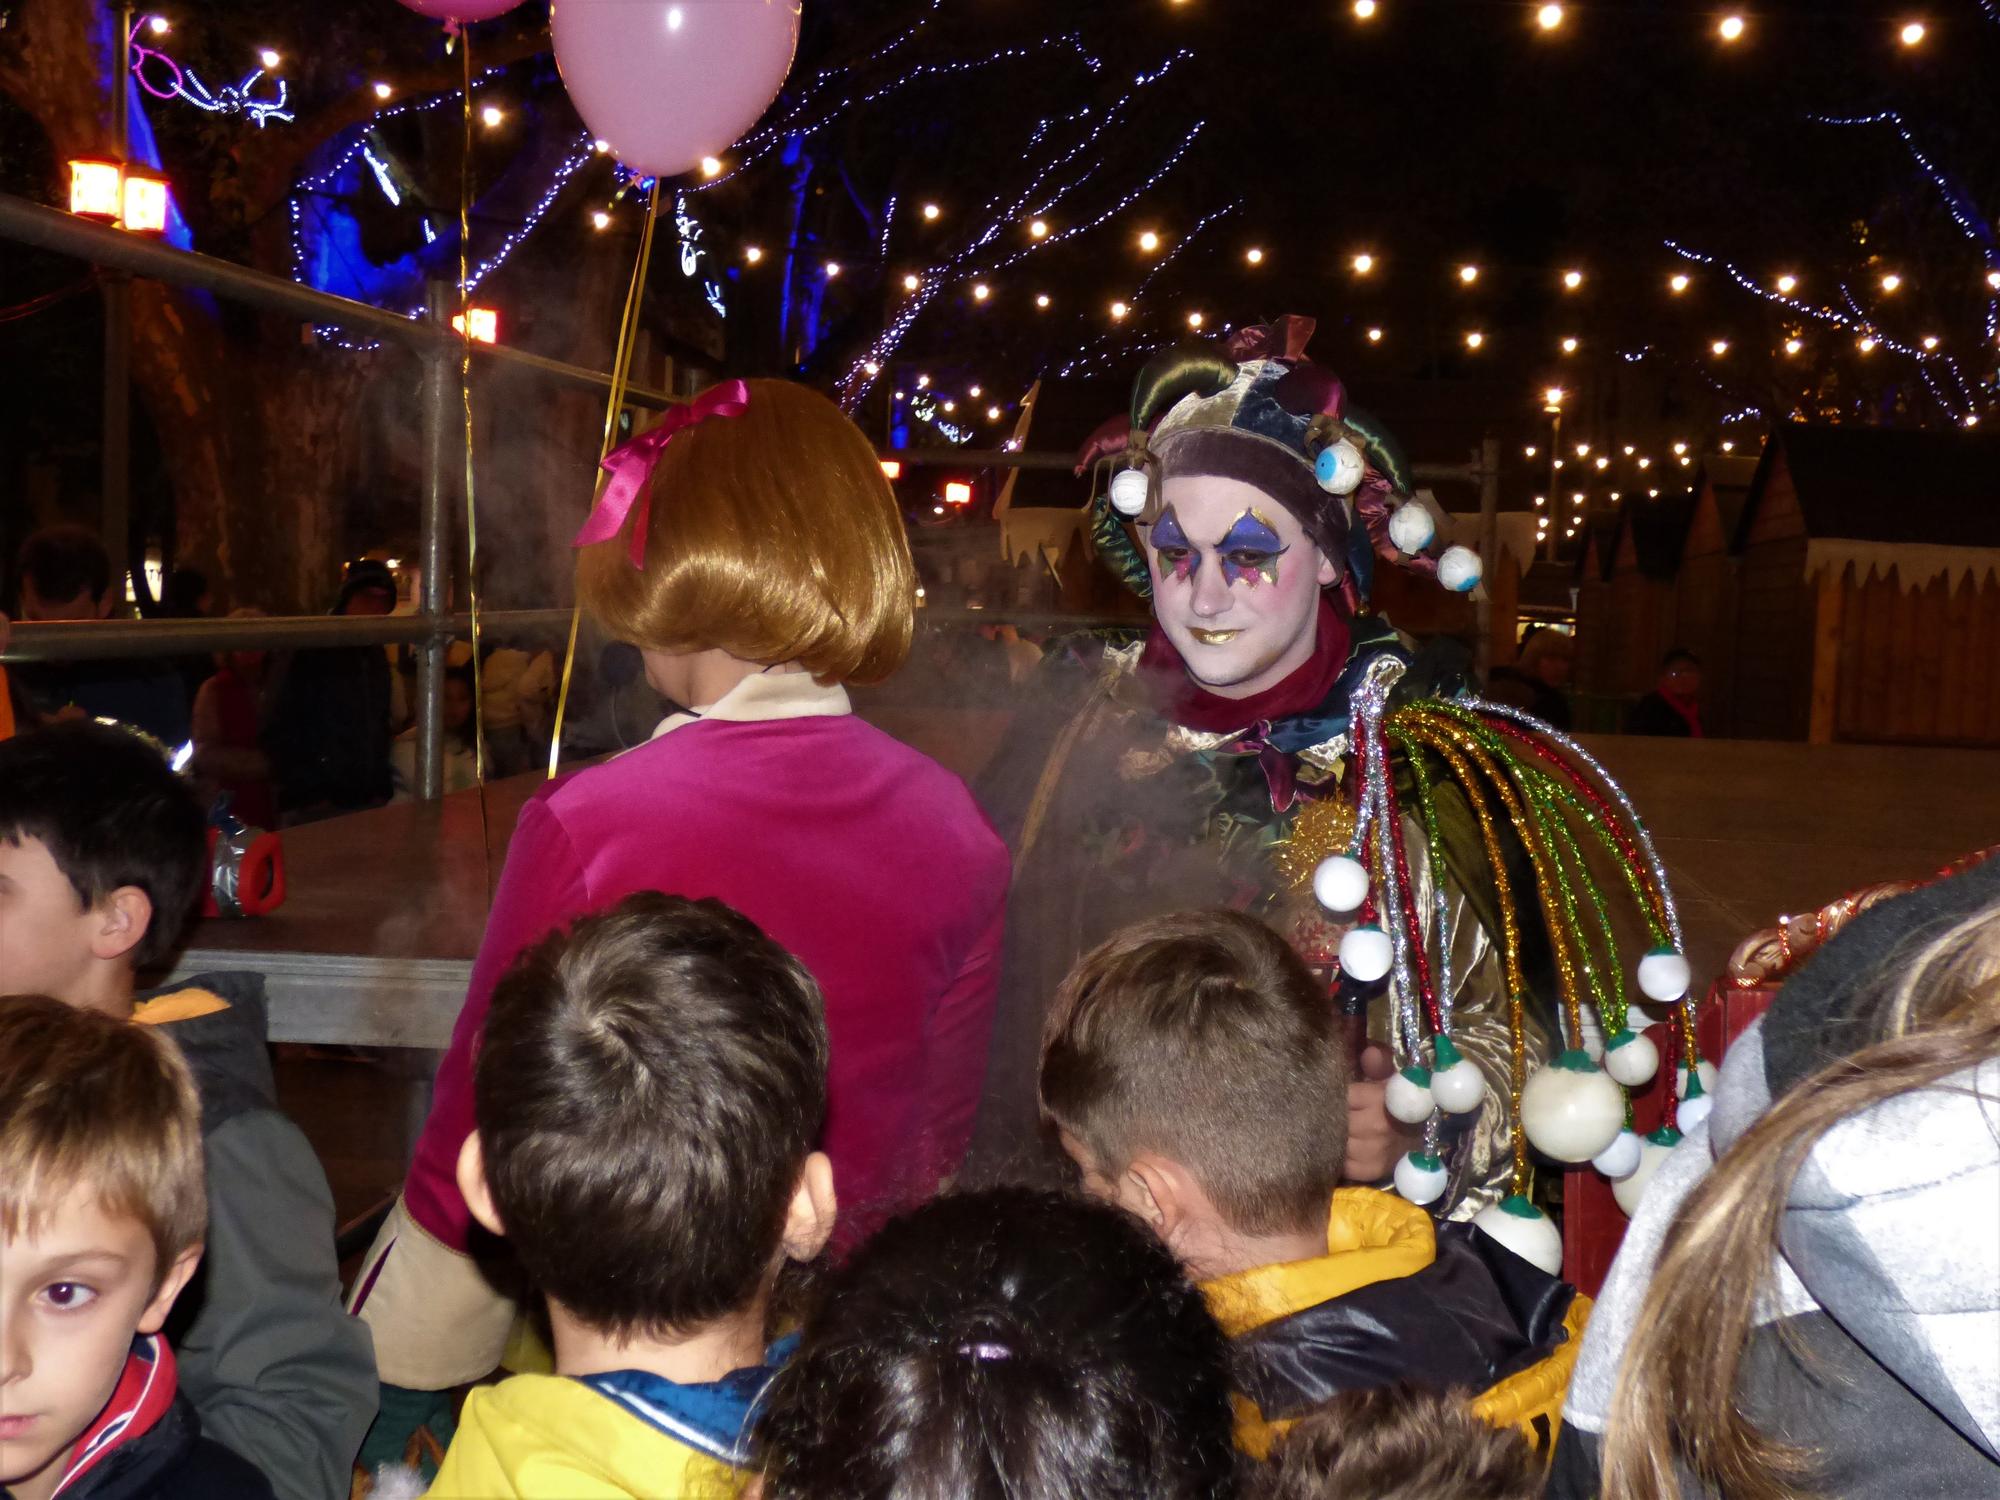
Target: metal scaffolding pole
{"points": [[435, 546]]}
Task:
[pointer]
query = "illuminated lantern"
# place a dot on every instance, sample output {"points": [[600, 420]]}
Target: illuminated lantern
{"points": [[145, 202], [957, 492], [95, 190], [891, 469], [480, 324]]}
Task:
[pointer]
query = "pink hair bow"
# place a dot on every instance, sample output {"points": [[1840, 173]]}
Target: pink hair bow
{"points": [[631, 465]]}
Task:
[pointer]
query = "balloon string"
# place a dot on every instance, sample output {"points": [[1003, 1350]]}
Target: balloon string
{"points": [[621, 364], [471, 508]]}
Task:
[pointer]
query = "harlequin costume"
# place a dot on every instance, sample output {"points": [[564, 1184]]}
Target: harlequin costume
{"points": [[1393, 826]]}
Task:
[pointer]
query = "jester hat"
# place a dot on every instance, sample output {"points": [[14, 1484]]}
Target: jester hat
{"points": [[1256, 409]]}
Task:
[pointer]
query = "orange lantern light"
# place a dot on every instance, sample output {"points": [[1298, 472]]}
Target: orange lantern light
{"points": [[484, 323], [958, 492], [145, 202], [96, 190], [892, 468]]}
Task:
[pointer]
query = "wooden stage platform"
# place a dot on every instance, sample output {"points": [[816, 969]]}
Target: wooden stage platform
{"points": [[386, 908]]}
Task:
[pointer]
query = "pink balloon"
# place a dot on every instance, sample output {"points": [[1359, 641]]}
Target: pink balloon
{"points": [[460, 10], [668, 82]]}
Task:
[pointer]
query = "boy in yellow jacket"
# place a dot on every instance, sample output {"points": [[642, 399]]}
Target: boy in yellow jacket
{"points": [[1196, 1075], [648, 1090]]}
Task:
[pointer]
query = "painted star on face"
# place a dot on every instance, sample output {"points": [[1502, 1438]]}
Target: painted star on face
{"points": [[1248, 553]]}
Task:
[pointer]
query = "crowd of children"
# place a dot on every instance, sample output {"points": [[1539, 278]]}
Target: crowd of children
{"points": [[701, 1115]]}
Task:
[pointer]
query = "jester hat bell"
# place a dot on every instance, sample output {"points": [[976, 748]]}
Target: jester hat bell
{"points": [[1254, 408]]}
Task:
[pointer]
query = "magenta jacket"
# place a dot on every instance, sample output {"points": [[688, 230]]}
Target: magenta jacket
{"points": [[866, 859]]}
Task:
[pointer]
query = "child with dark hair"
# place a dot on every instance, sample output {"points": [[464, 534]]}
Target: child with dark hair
{"points": [[102, 859], [101, 1220], [1009, 1343], [1399, 1443], [65, 574], [648, 1089], [1196, 1074]]}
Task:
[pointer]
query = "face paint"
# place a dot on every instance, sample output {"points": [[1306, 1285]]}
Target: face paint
{"points": [[1240, 621], [1251, 551], [1171, 543]]}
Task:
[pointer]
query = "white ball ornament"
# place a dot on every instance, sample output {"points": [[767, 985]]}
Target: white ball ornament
{"points": [[1420, 1178], [1341, 883], [1691, 1112], [1620, 1159], [1631, 1058], [1460, 569], [1365, 954], [1526, 1230], [1129, 492], [1653, 1150], [1456, 1082], [1411, 527], [1339, 468], [1664, 976], [1408, 1095], [1571, 1110]]}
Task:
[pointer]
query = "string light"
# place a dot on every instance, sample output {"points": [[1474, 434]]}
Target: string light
{"points": [[1866, 346], [1569, 346], [1730, 28], [1254, 255], [1118, 310], [269, 58], [599, 219], [163, 78], [1039, 229], [1604, 463], [832, 269], [492, 115], [1474, 339], [1529, 451], [974, 391], [877, 370], [1042, 301], [1549, 17], [1793, 346], [1912, 33], [1468, 274], [911, 282], [158, 25], [1680, 447], [753, 253], [1363, 263], [383, 91], [1787, 283], [1572, 279], [1677, 283], [1364, 10], [931, 213], [992, 413], [1149, 242], [1891, 282], [981, 291], [1645, 463], [1993, 280], [1552, 400], [1194, 320], [601, 146], [1583, 450], [1930, 341], [1719, 348], [1374, 335], [1630, 450], [711, 167]]}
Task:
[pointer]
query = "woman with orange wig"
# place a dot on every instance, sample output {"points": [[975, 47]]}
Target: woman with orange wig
{"points": [[751, 549]]}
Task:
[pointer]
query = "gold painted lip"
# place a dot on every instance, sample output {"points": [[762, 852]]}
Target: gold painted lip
{"points": [[1215, 637]]}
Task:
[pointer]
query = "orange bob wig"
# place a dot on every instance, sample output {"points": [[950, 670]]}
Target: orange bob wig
{"points": [[773, 536]]}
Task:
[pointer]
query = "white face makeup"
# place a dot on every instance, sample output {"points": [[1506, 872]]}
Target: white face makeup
{"points": [[1236, 583]]}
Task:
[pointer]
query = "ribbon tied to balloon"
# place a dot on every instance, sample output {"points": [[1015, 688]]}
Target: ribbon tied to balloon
{"points": [[632, 464]]}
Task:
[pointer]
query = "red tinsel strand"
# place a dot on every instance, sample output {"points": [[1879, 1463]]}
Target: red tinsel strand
{"points": [[1627, 845], [1410, 919], [1670, 1115]]}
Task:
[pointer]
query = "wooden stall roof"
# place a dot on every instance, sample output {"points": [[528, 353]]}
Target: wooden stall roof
{"points": [[1726, 477], [1657, 530], [1885, 485]]}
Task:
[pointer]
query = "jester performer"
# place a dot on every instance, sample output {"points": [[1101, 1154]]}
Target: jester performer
{"points": [[1450, 866]]}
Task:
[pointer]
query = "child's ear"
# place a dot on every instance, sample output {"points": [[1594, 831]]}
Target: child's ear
{"points": [[472, 1183], [809, 1221], [154, 1318], [123, 917], [1156, 1190]]}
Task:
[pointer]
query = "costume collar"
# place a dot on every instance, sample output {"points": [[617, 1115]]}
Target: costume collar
{"points": [[713, 1417], [766, 696], [144, 1394], [1180, 698], [1371, 1236], [177, 1005]]}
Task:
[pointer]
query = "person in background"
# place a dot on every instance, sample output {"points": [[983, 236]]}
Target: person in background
{"points": [[1011, 1342], [230, 712], [65, 574], [329, 734], [518, 698], [461, 766], [187, 596], [102, 1212], [1398, 1443], [648, 1091], [1538, 681], [103, 854], [1673, 708]]}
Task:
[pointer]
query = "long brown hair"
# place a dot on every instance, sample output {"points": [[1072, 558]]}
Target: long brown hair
{"points": [[1676, 1398]]}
